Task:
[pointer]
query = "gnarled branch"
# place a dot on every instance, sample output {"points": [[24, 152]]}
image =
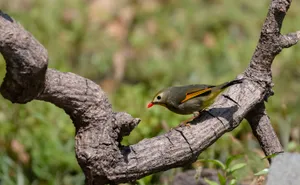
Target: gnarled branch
{"points": [[99, 129]]}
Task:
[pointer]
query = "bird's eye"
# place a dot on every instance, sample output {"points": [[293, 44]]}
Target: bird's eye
{"points": [[158, 97]]}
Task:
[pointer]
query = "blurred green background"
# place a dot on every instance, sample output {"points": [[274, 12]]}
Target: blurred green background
{"points": [[133, 49]]}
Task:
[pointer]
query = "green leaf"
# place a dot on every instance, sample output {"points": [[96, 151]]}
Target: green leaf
{"points": [[145, 180], [210, 182], [236, 167], [222, 179], [232, 158], [232, 182], [262, 172], [215, 161]]}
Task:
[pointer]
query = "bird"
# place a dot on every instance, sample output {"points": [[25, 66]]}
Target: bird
{"points": [[190, 99]]}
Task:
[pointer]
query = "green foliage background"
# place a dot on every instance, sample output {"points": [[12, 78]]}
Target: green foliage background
{"points": [[160, 43]]}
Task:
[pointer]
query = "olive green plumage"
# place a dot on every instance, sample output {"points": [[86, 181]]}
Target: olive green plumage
{"points": [[190, 98]]}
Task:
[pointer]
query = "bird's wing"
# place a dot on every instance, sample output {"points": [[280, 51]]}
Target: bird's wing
{"points": [[196, 91]]}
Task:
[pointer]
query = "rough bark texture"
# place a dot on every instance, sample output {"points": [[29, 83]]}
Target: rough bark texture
{"points": [[260, 124], [99, 129]]}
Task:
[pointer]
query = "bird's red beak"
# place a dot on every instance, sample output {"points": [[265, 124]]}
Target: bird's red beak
{"points": [[150, 104]]}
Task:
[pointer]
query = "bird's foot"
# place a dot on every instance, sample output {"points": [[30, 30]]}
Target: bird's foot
{"points": [[185, 123]]}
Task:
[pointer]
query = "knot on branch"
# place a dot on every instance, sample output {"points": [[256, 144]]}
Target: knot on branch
{"points": [[281, 6], [124, 123], [269, 91]]}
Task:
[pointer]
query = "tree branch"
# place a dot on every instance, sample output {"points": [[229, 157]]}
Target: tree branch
{"points": [[99, 130], [271, 42], [263, 130]]}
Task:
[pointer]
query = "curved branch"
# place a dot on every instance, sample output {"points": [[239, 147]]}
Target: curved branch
{"points": [[26, 62], [99, 130]]}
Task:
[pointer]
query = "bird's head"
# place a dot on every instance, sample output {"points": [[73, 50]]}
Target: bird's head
{"points": [[159, 99]]}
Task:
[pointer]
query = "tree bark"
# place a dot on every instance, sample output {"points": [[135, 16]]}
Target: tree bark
{"points": [[263, 130], [99, 129]]}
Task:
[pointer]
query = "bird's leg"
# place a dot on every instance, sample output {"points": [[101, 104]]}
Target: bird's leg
{"points": [[186, 122]]}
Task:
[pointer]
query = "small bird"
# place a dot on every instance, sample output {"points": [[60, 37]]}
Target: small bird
{"points": [[190, 99]]}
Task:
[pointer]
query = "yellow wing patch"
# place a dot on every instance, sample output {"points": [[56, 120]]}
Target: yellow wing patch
{"points": [[191, 95]]}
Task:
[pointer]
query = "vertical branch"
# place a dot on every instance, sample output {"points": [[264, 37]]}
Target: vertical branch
{"points": [[270, 44], [263, 130]]}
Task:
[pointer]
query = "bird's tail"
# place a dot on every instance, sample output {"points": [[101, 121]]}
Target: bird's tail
{"points": [[233, 82]]}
